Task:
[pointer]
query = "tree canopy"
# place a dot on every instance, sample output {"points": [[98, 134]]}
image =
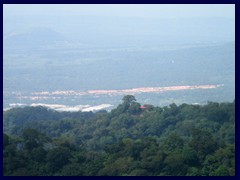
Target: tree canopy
{"points": [[184, 140]]}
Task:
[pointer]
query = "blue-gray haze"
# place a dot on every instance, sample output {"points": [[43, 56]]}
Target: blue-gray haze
{"points": [[84, 47]]}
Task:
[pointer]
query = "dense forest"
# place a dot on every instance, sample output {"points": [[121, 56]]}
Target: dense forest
{"points": [[131, 140]]}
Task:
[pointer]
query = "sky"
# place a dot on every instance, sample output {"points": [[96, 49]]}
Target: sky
{"points": [[124, 10]]}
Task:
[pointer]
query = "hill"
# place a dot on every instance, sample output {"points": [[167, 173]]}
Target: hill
{"points": [[31, 39]]}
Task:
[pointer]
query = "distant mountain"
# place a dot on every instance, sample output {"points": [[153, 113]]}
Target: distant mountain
{"points": [[131, 31], [32, 38]]}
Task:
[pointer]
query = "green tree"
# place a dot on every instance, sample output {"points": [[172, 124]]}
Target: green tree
{"points": [[173, 143], [122, 166], [128, 99], [57, 158], [190, 156], [174, 164], [134, 108], [33, 138], [202, 141], [73, 169], [5, 140], [221, 171]]}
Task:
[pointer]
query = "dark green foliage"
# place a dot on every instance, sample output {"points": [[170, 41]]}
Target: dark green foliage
{"points": [[73, 169], [57, 157], [202, 141], [33, 139], [134, 108], [5, 140], [128, 99], [186, 140]]}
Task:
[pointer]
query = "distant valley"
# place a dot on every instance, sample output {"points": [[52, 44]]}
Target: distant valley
{"points": [[56, 63]]}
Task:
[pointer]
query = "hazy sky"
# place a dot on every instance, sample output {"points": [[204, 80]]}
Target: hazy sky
{"points": [[129, 10]]}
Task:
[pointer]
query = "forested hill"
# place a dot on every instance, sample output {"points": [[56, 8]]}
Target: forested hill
{"points": [[132, 139]]}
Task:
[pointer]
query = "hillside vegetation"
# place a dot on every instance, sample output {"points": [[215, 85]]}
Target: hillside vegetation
{"points": [[135, 140]]}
